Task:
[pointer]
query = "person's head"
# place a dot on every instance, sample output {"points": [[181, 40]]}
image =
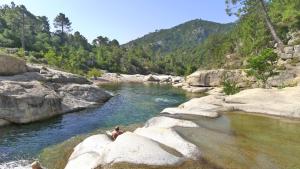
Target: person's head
{"points": [[117, 128]]}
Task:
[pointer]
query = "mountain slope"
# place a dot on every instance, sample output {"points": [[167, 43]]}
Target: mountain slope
{"points": [[188, 34]]}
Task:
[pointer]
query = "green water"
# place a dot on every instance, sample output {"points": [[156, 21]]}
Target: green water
{"points": [[244, 141]]}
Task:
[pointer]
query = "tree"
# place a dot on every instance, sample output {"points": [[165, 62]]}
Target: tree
{"points": [[63, 24], [243, 7], [100, 40], [262, 66]]}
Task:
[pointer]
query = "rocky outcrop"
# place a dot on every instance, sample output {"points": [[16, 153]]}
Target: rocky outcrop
{"points": [[289, 52], [281, 102], [155, 144], [214, 78], [10, 65], [44, 93], [129, 147], [22, 102], [138, 78], [194, 107]]}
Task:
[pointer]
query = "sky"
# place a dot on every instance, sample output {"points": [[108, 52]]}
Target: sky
{"points": [[126, 20]]}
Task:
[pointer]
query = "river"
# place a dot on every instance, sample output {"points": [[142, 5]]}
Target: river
{"points": [[133, 103]]}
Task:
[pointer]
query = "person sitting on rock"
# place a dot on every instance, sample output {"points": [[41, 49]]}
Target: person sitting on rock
{"points": [[36, 165], [116, 132]]}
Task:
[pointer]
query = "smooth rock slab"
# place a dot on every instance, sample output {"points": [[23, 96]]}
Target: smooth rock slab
{"points": [[168, 122], [135, 149], [199, 112], [87, 154], [281, 102], [170, 138], [195, 107], [99, 150]]}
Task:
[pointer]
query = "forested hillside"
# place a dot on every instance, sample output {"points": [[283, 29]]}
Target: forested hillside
{"points": [[179, 50], [188, 34]]}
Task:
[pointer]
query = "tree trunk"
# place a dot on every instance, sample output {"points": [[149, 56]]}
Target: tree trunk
{"points": [[62, 32], [23, 31], [270, 26]]}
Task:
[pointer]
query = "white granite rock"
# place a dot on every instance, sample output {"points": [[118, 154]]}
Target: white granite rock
{"points": [[168, 122], [135, 149], [170, 138], [281, 102], [87, 154]]}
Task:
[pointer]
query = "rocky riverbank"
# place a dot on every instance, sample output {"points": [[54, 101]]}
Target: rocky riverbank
{"points": [[31, 93], [138, 78], [157, 143]]}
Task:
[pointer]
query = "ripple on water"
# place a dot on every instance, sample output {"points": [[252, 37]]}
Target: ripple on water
{"points": [[19, 164]]}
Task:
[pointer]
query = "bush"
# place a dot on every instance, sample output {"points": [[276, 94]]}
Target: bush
{"points": [[230, 87], [94, 73], [263, 66], [21, 52]]}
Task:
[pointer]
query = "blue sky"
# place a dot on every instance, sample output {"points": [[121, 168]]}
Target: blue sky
{"points": [[126, 20]]}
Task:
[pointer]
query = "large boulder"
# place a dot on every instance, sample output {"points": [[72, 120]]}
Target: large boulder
{"points": [[10, 65], [214, 78], [44, 92], [284, 78], [151, 78], [78, 96], [23, 102]]}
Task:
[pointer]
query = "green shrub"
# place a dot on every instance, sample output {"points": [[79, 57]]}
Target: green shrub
{"points": [[21, 52], [230, 87], [263, 65], [94, 73]]}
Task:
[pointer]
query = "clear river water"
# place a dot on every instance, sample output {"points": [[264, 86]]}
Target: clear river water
{"points": [[235, 140]]}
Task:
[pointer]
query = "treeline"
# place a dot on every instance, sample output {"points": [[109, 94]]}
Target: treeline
{"points": [[19, 28], [250, 35], [175, 51]]}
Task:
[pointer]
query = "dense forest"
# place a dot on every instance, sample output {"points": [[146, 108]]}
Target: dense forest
{"points": [[179, 50]]}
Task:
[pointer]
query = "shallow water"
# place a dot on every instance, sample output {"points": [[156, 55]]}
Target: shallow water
{"points": [[244, 141], [133, 103]]}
